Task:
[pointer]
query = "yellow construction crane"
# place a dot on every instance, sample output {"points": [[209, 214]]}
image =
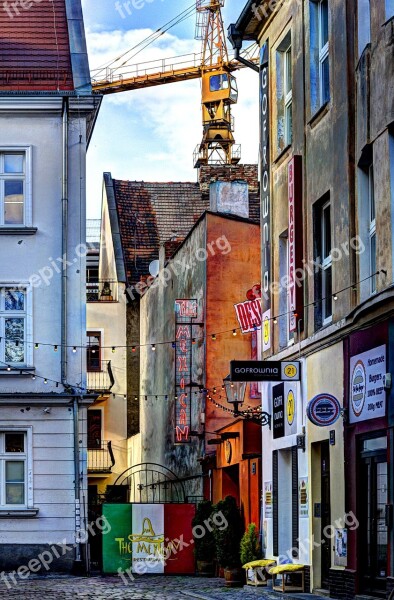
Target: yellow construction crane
{"points": [[213, 66]]}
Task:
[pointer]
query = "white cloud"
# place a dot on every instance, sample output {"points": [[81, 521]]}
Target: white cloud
{"points": [[150, 134]]}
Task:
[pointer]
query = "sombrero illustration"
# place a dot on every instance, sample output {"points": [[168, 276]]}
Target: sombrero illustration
{"points": [[148, 535]]}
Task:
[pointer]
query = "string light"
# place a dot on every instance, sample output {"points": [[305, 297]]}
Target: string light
{"points": [[353, 287], [153, 347], [45, 381], [55, 348]]}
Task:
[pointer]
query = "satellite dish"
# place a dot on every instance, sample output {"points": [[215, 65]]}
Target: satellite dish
{"points": [[154, 268]]}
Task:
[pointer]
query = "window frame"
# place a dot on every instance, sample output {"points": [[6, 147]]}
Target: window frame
{"points": [[288, 95], [284, 93], [27, 177], [27, 457], [101, 411], [324, 51], [28, 329], [372, 227], [326, 262], [90, 334]]}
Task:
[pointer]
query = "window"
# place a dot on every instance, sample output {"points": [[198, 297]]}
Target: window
{"points": [[389, 9], [13, 469], [323, 276], [13, 324], [284, 91], [93, 351], [15, 193], [94, 428], [286, 337], [364, 25], [319, 52], [372, 228], [218, 82]]}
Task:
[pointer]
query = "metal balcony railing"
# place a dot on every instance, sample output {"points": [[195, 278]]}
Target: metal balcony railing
{"points": [[101, 379], [102, 291], [101, 459]]}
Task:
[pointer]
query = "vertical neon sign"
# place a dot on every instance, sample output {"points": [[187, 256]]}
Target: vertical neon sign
{"points": [[185, 312]]}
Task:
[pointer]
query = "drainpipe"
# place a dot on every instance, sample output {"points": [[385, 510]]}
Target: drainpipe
{"points": [[64, 243], [236, 40], [77, 562]]}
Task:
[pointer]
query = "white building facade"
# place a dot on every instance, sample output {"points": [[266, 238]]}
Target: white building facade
{"points": [[44, 133]]}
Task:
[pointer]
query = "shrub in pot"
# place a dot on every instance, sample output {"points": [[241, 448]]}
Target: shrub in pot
{"points": [[227, 539], [204, 545], [250, 549]]}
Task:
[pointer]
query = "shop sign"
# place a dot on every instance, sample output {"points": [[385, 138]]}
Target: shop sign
{"points": [[278, 410], [249, 312], [185, 311], [268, 499], [284, 407], [265, 180], [267, 330], [249, 315], [303, 497], [367, 394], [260, 370], [295, 244], [323, 410]]}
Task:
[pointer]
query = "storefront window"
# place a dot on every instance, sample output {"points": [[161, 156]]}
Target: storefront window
{"points": [[374, 444]]}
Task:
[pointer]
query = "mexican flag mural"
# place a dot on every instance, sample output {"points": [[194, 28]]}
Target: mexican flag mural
{"points": [[149, 538]]}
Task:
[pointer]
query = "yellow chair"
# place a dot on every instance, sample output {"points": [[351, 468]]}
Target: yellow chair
{"points": [[287, 573], [256, 573]]}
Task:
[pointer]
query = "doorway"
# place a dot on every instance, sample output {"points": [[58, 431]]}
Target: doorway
{"points": [[373, 529], [325, 513]]}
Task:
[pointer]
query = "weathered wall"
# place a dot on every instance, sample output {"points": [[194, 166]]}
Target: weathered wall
{"points": [[158, 368], [230, 274]]}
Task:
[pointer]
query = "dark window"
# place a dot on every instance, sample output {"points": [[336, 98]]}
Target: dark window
{"points": [[94, 428], [93, 351], [323, 260]]}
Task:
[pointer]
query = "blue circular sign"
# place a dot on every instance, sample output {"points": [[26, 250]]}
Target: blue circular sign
{"points": [[323, 410]]}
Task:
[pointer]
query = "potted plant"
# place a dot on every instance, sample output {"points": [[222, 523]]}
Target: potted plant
{"points": [[204, 547], [228, 539], [255, 567]]}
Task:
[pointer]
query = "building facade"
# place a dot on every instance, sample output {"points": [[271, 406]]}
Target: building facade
{"points": [[326, 80], [47, 113]]}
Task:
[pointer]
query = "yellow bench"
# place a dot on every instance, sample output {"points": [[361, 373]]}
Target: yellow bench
{"points": [[287, 573], [256, 571]]}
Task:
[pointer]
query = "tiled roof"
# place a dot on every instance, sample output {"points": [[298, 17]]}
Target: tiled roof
{"points": [[151, 214], [34, 47]]}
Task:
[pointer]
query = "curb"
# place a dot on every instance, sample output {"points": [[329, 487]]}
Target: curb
{"points": [[193, 595]]}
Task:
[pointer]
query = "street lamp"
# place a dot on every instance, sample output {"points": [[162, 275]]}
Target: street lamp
{"points": [[235, 393]]}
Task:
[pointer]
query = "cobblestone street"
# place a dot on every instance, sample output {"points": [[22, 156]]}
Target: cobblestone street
{"points": [[143, 588]]}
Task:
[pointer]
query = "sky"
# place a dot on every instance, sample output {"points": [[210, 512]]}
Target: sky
{"points": [[151, 134]]}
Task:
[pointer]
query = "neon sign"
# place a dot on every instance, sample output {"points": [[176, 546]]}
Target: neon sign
{"points": [[185, 311]]}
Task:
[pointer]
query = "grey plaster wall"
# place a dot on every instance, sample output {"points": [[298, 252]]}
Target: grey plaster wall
{"points": [[158, 368]]}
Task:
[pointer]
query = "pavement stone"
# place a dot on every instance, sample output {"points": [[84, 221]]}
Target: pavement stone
{"points": [[147, 587]]}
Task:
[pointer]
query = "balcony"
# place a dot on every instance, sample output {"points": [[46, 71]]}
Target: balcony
{"points": [[101, 379], [101, 459], [102, 291]]}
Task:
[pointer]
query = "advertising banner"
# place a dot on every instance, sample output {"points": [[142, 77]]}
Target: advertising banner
{"points": [[367, 396], [149, 538]]}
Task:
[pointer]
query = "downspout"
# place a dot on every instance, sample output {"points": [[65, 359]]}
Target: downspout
{"points": [[64, 244], [245, 62], [236, 40], [64, 321]]}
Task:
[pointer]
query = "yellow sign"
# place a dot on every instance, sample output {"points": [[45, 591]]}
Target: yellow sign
{"points": [[290, 407], [267, 331], [291, 371]]}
